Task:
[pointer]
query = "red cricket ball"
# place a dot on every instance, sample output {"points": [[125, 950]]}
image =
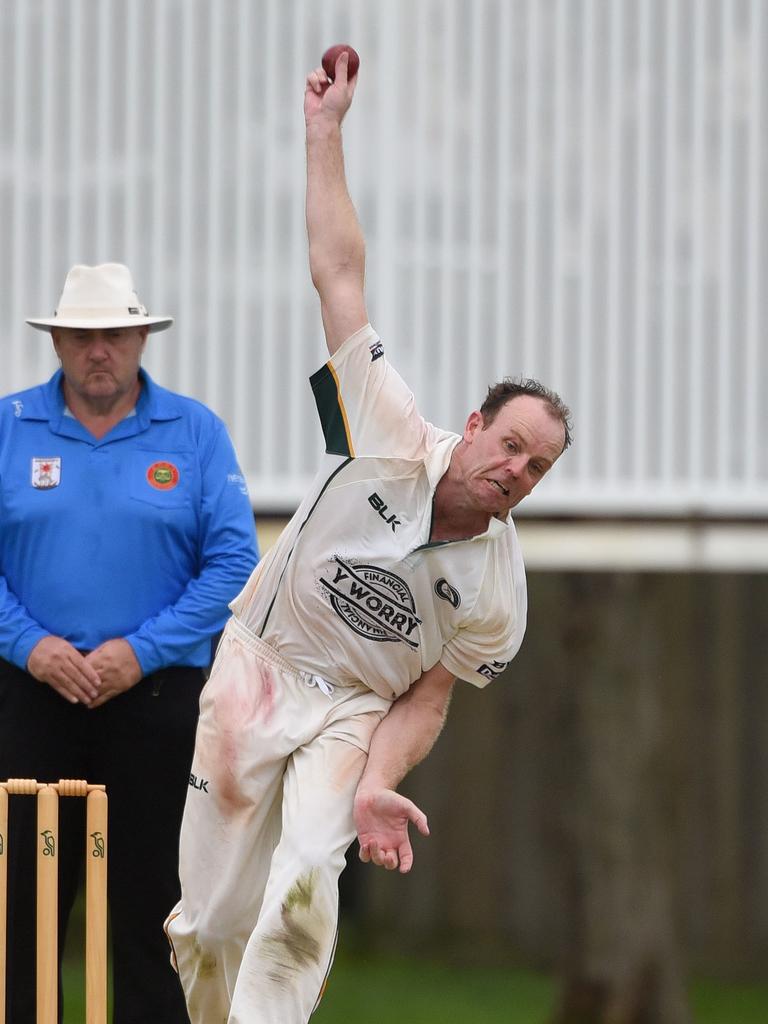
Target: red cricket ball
{"points": [[333, 53]]}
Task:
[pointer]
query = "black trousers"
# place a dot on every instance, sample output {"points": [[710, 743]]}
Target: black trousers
{"points": [[140, 746]]}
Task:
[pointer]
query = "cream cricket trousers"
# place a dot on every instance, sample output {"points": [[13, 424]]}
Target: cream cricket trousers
{"points": [[268, 818]]}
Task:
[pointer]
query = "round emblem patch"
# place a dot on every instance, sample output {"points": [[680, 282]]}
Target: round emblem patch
{"points": [[163, 476]]}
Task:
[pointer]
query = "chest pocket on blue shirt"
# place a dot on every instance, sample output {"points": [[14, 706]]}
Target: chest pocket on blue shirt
{"points": [[163, 479]]}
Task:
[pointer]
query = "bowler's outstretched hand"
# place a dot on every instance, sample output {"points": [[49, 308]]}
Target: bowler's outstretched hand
{"points": [[381, 819]]}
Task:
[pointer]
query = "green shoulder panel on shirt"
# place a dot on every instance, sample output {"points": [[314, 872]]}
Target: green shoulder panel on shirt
{"points": [[330, 408]]}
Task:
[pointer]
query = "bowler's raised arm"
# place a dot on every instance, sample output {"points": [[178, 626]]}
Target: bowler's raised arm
{"points": [[336, 244]]}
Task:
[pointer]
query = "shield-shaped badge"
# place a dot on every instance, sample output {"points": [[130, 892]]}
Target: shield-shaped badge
{"points": [[46, 472]]}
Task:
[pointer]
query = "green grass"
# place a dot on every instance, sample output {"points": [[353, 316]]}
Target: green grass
{"points": [[367, 988], [714, 1003]]}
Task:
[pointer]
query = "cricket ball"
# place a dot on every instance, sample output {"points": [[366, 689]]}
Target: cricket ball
{"points": [[333, 53]]}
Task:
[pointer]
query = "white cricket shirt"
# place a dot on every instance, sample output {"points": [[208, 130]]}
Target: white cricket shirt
{"points": [[353, 590]]}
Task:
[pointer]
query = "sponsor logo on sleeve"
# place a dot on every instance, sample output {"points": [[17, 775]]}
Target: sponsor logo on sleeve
{"points": [[239, 481], [163, 476], [493, 670], [375, 603], [377, 351], [46, 472], [18, 408]]}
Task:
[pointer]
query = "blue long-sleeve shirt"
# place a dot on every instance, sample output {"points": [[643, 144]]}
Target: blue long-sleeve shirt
{"points": [[145, 534]]}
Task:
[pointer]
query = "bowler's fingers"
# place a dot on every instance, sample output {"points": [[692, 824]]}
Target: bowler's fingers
{"points": [[342, 73], [373, 854], [406, 858], [419, 819], [317, 81]]}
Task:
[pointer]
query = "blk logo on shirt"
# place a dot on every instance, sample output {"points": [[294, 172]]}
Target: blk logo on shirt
{"points": [[382, 508]]}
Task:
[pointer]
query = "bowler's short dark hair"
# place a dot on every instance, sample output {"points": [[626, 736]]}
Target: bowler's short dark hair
{"points": [[511, 387]]}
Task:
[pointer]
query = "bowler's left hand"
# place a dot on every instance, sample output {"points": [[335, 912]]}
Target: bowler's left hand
{"points": [[118, 668]]}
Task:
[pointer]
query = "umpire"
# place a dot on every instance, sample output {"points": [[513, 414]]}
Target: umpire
{"points": [[125, 531]]}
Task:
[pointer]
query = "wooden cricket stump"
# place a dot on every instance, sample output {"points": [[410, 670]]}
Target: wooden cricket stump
{"points": [[47, 795]]}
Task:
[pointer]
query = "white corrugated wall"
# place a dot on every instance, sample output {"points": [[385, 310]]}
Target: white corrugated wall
{"points": [[568, 189]]}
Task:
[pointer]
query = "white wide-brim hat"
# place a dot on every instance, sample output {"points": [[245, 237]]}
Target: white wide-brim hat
{"points": [[100, 297]]}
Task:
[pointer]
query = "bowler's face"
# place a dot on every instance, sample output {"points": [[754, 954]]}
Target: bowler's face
{"points": [[100, 364], [506, 459]]}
